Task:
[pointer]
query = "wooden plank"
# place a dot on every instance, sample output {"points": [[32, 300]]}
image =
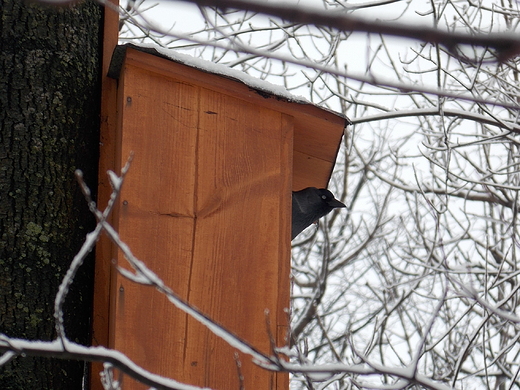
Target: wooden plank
{"points": [[107, 160], [155, 217], [243, 184], [282, 318]]}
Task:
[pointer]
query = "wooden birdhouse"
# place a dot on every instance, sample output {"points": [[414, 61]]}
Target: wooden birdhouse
{"points": [[207, 206]]}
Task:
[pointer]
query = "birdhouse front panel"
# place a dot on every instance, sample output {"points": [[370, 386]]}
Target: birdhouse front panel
{"points": [[206, 205]]}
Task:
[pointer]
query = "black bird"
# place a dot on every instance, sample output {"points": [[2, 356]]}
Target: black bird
{"points": [[309, 205]]}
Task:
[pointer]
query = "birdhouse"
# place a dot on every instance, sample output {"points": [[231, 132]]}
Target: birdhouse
{"points": [[207, 206]]}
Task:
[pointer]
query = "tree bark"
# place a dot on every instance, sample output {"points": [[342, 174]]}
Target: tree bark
{"points": [[49, 118]]}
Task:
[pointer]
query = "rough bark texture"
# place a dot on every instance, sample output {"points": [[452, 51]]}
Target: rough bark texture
{"points": [[49, 118]]}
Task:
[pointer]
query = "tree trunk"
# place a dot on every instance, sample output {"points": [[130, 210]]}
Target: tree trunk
{"points": [[49, 118]]}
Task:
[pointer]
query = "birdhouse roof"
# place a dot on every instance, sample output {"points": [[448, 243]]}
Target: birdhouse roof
{"points": [[317, 130]]}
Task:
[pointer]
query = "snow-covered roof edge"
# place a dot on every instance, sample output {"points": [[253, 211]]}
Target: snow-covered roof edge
{"points": [[262, 86]]}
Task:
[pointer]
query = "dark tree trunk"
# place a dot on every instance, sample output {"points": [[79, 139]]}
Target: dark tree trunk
{"points": [[49, 118]]}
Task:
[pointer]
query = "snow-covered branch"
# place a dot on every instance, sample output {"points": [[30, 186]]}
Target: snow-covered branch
{"points": [[65, 349]]}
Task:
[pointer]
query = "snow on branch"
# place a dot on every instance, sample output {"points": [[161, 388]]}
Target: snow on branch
{"points": [[65, 349]]}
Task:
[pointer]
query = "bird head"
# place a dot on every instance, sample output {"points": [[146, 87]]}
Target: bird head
{"points": [[309, 205], [328, 199]]}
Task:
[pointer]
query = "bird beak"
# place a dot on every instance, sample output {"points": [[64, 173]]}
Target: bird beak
{"points": [[335, 203]]}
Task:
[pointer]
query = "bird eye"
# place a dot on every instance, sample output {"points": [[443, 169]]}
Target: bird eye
{"points": [[324, 197]]}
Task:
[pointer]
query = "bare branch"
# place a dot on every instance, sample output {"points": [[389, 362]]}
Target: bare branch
{"points": [[506, 45]]}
